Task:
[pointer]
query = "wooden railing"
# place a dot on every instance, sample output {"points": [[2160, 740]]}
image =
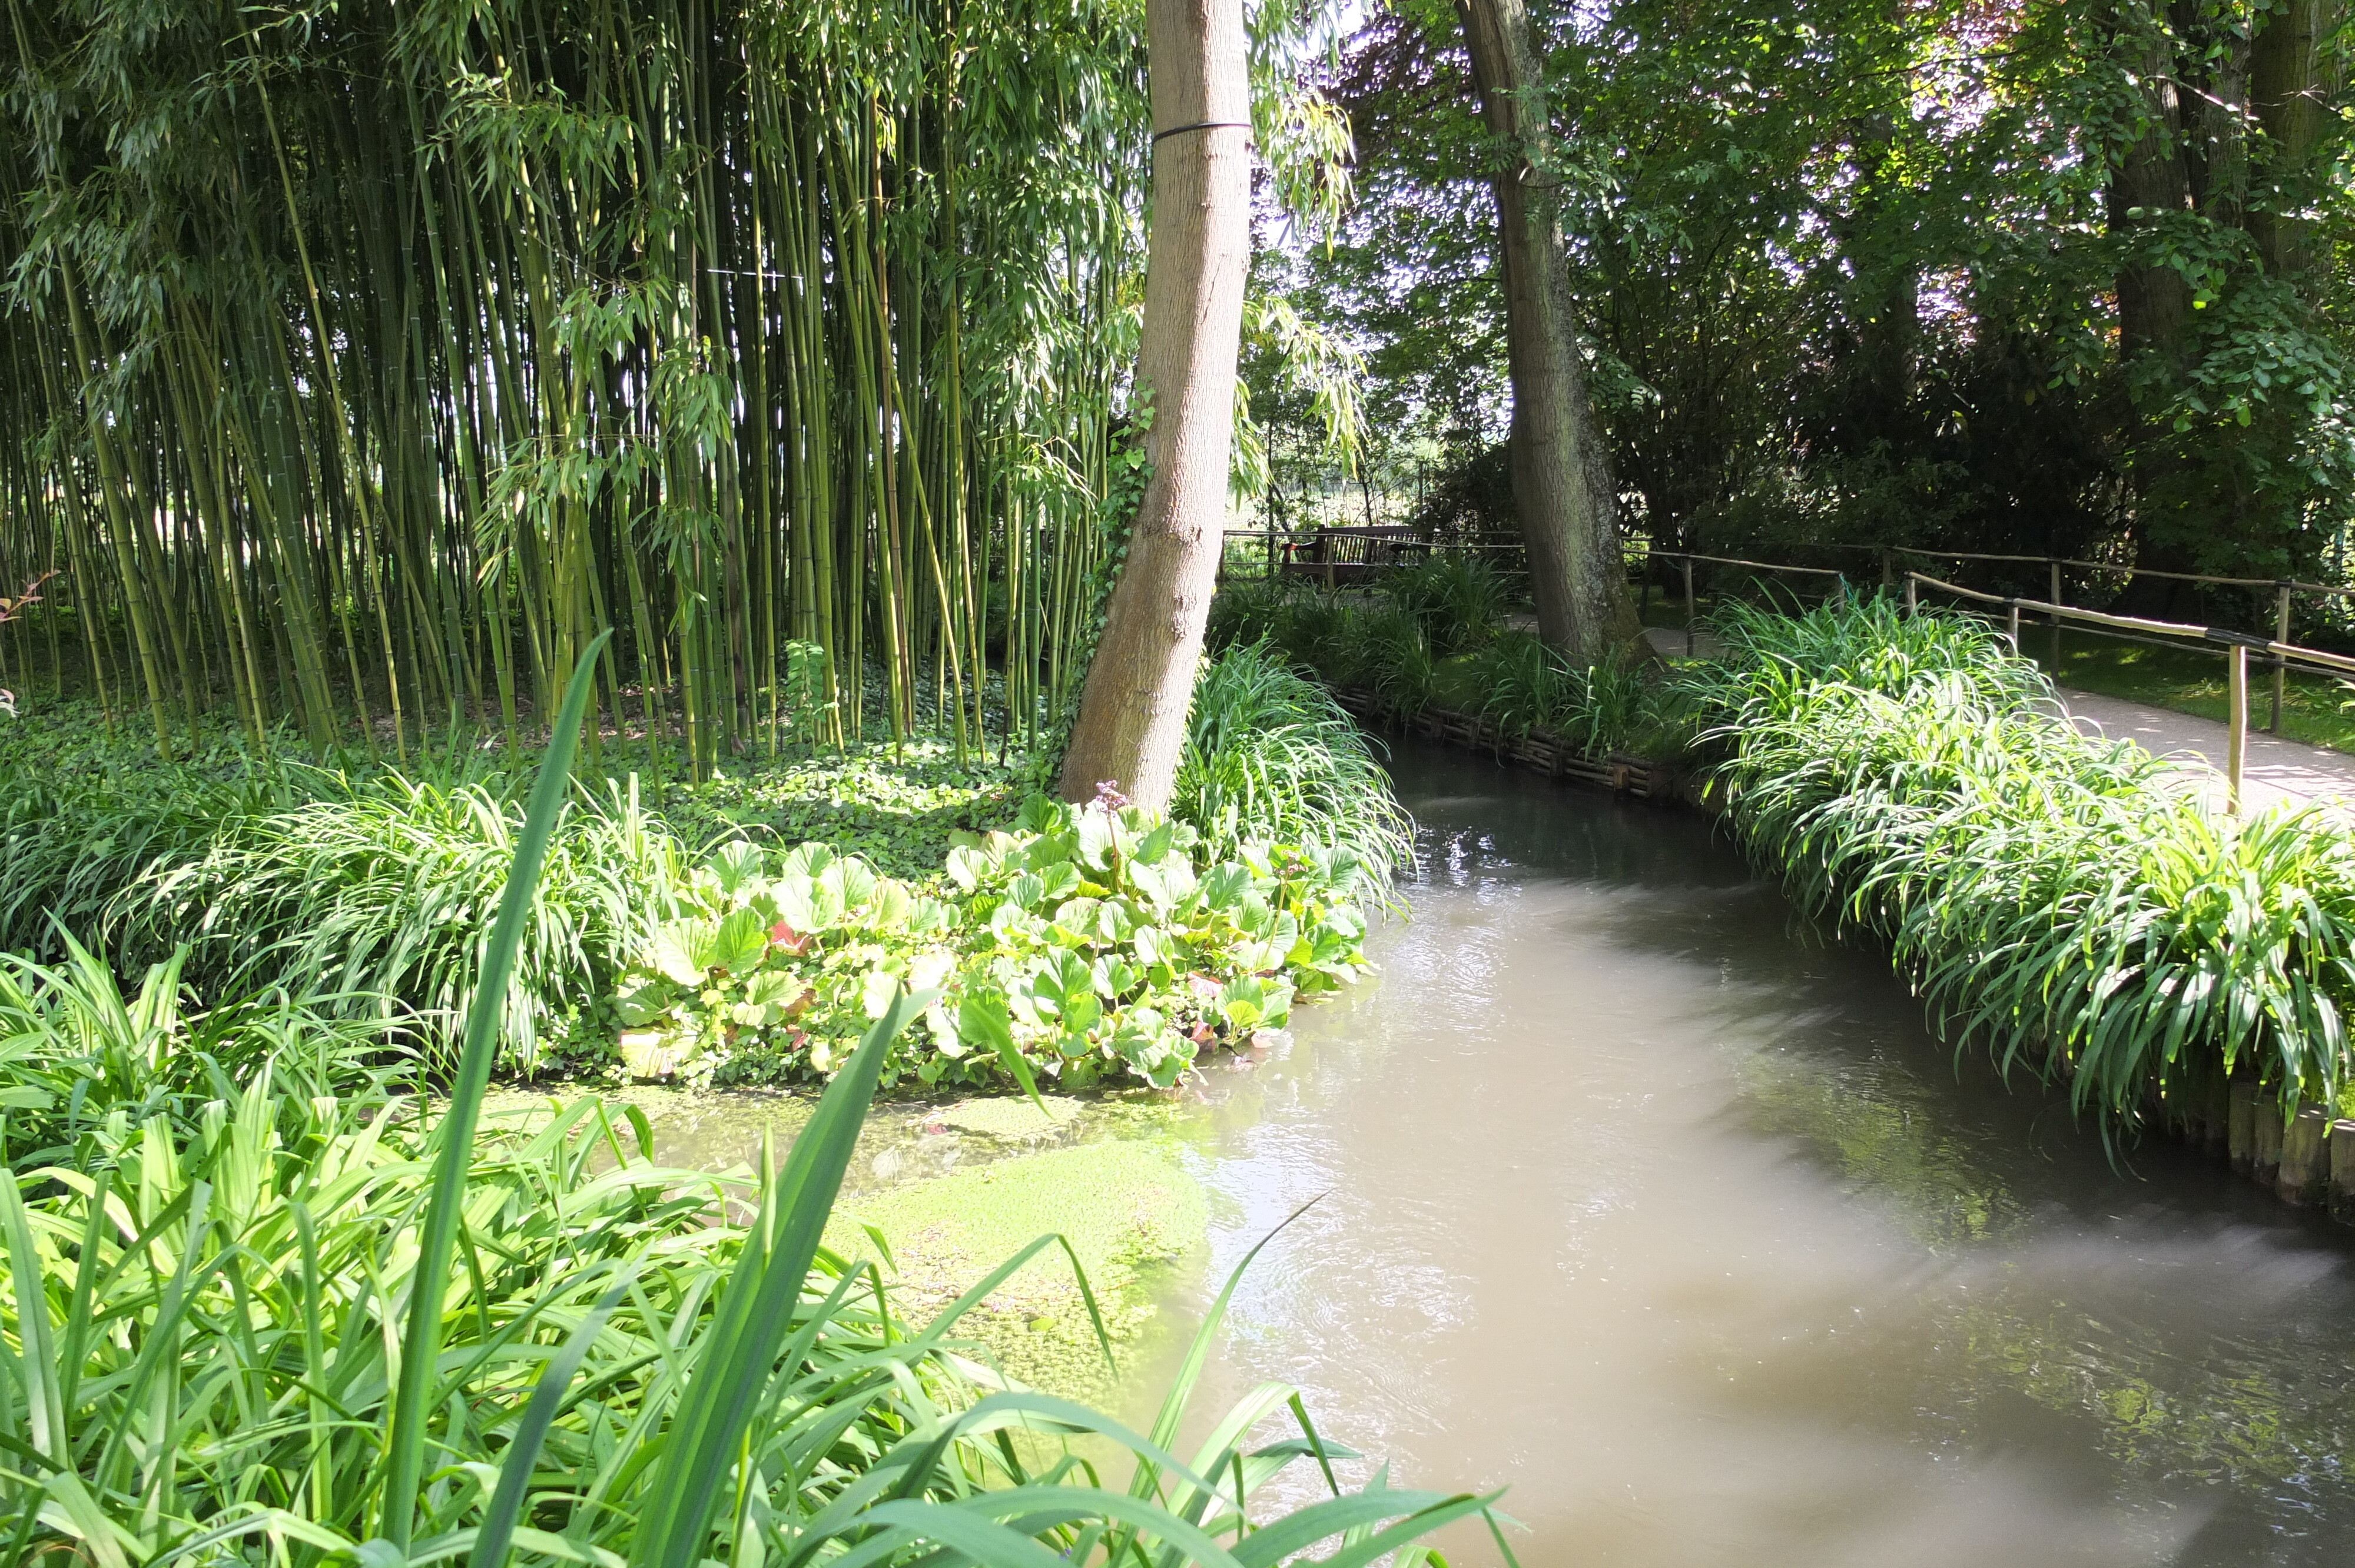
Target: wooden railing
{"points": [[2236, 647], [2284, 592], [1347, 555], [1687, 559]]}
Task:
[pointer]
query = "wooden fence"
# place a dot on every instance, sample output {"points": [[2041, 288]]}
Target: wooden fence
{"points": [[1352, 556], [2236, 646]]}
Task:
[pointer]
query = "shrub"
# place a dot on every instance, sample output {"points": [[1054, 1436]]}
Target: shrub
{"points": [[73, 837], [1384, 651], [1616, 705], [379, 891], [1269, 756], [1083, 946], [1459, 600]]}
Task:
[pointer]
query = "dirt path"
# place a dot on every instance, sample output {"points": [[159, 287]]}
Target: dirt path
{"points": [[2276, 773]]}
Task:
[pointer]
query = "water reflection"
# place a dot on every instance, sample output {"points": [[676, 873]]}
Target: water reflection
{"points": [[1644, 1200]]}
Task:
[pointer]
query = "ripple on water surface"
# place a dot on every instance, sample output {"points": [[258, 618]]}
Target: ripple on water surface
{"points": [[1634, 1196]]}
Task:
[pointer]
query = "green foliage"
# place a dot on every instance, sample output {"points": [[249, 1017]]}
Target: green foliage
{"points": [[249, 1335], [895, 804], [373, 885], [201, 1319], [1926, 275], [1601, 708], [1085, 946], [80, 1055], [452, 1141], [1269, 756], [258, 434], [1517, 682], [2047, 891], [380, 890], [1386, 651], [1459, 601], [1872, 643]]}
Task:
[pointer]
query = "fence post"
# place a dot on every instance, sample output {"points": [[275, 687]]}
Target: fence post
{"points": [[1913, 589], [2281, 665], [2014, 605], [2236, 721], [1689, 607], [2055, 567]]}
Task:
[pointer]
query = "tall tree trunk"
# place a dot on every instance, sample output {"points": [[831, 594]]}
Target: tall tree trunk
{"points": [[2150, 189], [2150, 184], [1131, 723], [2290, 84], [1561, 484]]}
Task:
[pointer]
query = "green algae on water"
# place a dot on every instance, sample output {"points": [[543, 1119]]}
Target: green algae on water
{"points": [[1128, 1209]]}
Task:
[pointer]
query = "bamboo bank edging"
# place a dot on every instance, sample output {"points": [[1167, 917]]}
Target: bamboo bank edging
{"points": [[2307, 1159]]}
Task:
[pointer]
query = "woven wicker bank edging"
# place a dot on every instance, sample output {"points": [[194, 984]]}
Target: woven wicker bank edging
{"points": [[1550, 754]]}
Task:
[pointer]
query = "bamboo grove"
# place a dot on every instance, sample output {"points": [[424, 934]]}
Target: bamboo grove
{"points": [[366, 360]]}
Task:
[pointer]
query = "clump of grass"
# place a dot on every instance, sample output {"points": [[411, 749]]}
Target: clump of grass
{"points": [[2047, 891], [1269, 756], [1385, 652], [379, 890], [73, 838], [1871, 642], [1459, 601], [1246, 611], [79, 1050], [1616, 705]]}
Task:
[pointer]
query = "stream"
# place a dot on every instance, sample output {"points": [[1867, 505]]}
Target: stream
{"points": [[1638, 1198]]}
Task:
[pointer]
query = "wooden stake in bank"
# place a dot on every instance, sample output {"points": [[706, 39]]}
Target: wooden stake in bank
{"points": [[2281, 665], [2236, 715], [2053, 568]]}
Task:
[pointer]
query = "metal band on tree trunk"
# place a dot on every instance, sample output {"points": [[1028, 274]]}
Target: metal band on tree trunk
{"points": [[1204, 125]]}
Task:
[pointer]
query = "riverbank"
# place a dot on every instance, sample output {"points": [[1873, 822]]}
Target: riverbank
{"points": [[1634, 1193], [1077, 945], [2049, 894]]}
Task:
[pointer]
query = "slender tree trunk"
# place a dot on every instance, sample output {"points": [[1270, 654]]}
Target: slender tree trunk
{"points": [[1132, 722], [1561, 484]]}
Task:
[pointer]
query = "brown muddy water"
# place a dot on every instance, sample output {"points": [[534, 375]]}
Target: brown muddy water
{"points": [[1633, 1197]]}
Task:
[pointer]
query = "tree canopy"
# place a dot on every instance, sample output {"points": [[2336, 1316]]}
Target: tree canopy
{"points": [[2065, 277]]}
